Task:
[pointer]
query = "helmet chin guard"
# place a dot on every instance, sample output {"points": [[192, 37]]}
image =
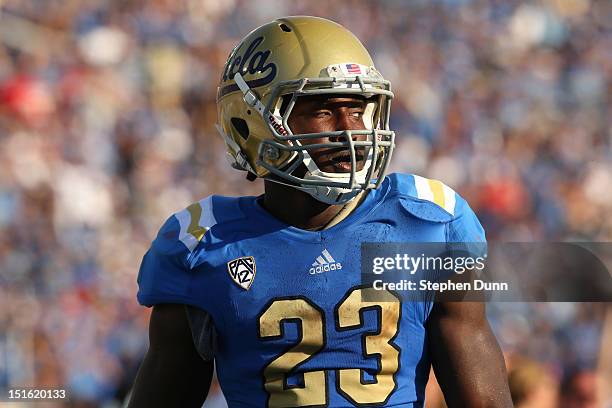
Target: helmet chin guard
{"points": [[355, 179]]}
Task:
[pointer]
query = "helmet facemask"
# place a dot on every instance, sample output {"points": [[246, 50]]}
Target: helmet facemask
{"points": [[328, 187]]}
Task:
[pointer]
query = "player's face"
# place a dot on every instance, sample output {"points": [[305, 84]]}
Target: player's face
{"points": [[328, 114]]}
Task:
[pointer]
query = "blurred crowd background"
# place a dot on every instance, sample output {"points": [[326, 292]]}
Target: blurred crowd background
{"points": [[107, 112]]}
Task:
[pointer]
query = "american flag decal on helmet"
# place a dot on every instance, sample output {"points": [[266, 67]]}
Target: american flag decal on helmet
{"points": [[353, 69]]}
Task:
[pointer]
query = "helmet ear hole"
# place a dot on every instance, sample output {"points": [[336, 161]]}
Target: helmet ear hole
{"points": [[241, 127], [285, 27]]}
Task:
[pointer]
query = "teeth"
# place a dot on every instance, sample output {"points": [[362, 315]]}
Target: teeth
{"points": [[347, 159]]}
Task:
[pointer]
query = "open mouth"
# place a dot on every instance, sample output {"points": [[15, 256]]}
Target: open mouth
{"points": [[345, 157], [340, 161]]}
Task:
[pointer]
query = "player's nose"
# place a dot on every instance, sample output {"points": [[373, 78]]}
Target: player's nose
{"points": [[344, 121]]}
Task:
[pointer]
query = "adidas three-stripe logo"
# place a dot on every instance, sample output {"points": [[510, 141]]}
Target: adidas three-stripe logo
{"points": [[324, 263]]}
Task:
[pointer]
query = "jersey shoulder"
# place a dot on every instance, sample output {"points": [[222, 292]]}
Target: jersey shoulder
{"points": [[165, 270], [425, 198], [432, 200], [185, 230]]}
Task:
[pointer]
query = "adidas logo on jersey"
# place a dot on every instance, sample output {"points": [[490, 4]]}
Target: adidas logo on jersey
{"points": [[324, 263]]}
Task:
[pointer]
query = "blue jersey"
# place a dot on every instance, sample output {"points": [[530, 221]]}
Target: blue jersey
{"points": [[292, 326]]}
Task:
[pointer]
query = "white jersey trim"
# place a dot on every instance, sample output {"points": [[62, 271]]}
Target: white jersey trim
{"points": [[194, 221], [436, 192]]}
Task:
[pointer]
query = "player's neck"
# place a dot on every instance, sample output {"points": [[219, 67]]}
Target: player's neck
{"points": [[296, 208]]}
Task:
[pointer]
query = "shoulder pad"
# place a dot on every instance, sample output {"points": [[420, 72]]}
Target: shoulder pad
{"points": [[194, 221], [198, 218], [424, 198]]}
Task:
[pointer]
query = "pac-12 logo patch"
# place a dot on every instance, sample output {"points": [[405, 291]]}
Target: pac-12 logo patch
{"points": [[242, 271]]}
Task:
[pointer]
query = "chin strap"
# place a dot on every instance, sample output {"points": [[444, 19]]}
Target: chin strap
{"points": [[239, 159], [347, 209], [250, 98], [307, 189], [320, 193]]}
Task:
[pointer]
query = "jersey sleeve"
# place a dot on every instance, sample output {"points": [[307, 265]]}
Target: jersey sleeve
{"points": [[165, 275], [465, 232], [465, 227]]}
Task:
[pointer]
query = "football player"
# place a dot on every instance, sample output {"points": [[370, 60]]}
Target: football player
{"points": [[269, 287]]}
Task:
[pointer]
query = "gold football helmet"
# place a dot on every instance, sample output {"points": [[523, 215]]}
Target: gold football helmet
{"points": [[265, 74]]}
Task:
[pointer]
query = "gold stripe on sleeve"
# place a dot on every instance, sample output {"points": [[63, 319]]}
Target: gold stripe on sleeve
{"points": [[195, 229], [438, 192]]}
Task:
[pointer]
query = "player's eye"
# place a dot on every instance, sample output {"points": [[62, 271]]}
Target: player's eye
{"points": [[322, 113]]}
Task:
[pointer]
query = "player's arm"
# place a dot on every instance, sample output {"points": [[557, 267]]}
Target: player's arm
{"points": [[466, 358], [172, 374]]}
